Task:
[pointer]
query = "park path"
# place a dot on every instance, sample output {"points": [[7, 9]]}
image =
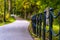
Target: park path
{"points": [[17, 30]]}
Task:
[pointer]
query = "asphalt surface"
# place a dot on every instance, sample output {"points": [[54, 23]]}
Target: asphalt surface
{"points": [[17, 30]]}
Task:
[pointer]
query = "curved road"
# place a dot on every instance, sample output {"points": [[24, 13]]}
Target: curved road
{"points": [[17, 30]]}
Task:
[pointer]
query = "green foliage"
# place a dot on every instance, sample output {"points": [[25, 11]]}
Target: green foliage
{"points": [[27, 7]]}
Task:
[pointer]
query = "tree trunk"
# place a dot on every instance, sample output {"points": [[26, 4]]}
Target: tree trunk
{"points": [[25, 15], [4, 10], [10, 6]]}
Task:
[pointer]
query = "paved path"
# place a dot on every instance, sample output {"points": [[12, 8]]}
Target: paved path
{"points": [[17, 30]]}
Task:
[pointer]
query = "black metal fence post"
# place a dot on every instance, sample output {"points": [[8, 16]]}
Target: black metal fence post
{"points": [[59, 24], [59, 29], [34, 23], [40, 24], [44, 25], [50, 24]]}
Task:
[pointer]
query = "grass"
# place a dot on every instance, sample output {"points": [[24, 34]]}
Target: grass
{"points": [[1, 24], [55, 29], [10, 20]]}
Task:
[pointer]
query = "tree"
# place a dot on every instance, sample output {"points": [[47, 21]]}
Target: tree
{"points": [[5, 10]]}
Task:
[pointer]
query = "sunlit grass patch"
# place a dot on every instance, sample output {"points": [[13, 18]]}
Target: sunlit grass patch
{"points": [[10, 20], [1, 24], [55, 28]]}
